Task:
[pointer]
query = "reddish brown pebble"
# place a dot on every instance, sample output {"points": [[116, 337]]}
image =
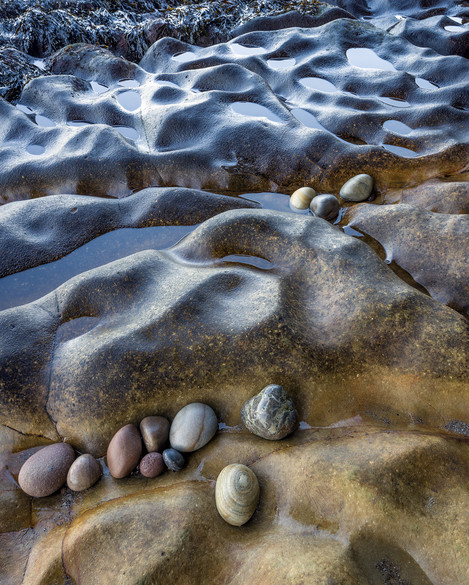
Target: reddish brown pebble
{"points": [[123, 453], [46, 471], [155, 432], [83, 473], [152, 465]]}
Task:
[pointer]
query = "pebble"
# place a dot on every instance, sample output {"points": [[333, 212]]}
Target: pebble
{"points": [[193, 427], [357, 188], [155, 432], [84, 472], [123, 453], [270, 414], [46, 471], [236, 494], [173, 459], [325, 206], [301, 198], [152, 465]]}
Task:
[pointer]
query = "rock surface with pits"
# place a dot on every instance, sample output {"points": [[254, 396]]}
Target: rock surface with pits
{"points": [[372, 486]]}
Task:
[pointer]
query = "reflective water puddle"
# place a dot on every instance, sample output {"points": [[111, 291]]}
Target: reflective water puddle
{"points": [[98, 87], [318, 83], [128, 83], [254, 110], [245, 50], [456, 29], [281, 64], [129, 100], [35, 149], [425, 84], [307, 119], [397, 127], [29, 285], [255, 261], [24, 109], [400, 151], [184, 57], [396, 102], [368, 59], [275, 201], [128, 132], [44, 122]]}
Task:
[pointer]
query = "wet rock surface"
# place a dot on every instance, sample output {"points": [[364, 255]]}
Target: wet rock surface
{"points": [[432, 248], [156, 292], [183, 105]]}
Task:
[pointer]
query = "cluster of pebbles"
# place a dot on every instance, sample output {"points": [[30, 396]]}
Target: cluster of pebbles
{"points": [[270, 414], [326, 206], [192, 428]]}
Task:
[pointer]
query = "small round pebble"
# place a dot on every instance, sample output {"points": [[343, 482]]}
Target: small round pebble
{"points": [[193, 427], [152, 465], [124, 451], [301, 198], [46, 471], [173, 459], [270, 414], [84, 472], [357, 188], [155, 432], [325, 206]]}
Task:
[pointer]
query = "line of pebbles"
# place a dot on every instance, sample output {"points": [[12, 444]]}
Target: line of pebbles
{"points": [[326, 205], [270, 414]]}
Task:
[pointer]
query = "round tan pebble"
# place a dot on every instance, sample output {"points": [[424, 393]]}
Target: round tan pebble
{"points": [[302, 197], [155, 432], [236, 494], [152, 465], [83, 473], [46, 471], [123, 453]]}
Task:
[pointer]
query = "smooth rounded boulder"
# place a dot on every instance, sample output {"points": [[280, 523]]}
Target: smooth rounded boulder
{"points": [[193, 427], [123, 453], [155, 432], [83, 473], [46, 471]]}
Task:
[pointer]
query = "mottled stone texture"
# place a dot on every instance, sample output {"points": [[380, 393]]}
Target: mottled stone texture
{"points": [[372, 486], [183, 322], [432, 248], [349, 505], [190, 136]]}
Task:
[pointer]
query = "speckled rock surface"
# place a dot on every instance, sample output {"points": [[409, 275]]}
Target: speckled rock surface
{"points": [[402, 510], [108, 324], [152, 465], [325, 294]]}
